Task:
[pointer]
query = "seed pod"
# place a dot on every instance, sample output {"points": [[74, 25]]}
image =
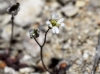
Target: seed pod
{"points": [[13, 10], [34, 33]]}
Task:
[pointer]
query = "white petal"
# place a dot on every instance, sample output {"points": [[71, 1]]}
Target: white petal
{"points": [[54, 16], [56, 29], [53, 30], [49, 23], [62, 24], [60, 20]]}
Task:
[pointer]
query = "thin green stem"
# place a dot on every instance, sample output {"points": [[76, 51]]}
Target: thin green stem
{"points": [[37, 41], [41, 50], [41, 54], [45, 37], [12, 31]]}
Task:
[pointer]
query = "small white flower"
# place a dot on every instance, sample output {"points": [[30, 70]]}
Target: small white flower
{"points": [[54, 23], [49, 23]]}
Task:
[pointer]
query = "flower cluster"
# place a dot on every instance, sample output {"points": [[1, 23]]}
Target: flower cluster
{"points": [[54, 23]]}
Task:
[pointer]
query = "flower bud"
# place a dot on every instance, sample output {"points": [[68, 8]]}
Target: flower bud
{"points": [[13, 10], [34, 33]]}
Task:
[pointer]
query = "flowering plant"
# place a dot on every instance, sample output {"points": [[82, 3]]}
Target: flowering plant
{"points": [[54, 23], [13, 11]]}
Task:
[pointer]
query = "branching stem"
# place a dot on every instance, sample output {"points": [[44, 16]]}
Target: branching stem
{"points": [[41, 50]]}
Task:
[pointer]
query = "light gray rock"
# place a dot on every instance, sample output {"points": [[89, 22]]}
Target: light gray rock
{"points": [[28, 12], [31, 46], [69, 10], [25, 70], [95, 3], [4, 5], [4, 20], [65, 2], [80, 3], [6, 31], [9, 70]]}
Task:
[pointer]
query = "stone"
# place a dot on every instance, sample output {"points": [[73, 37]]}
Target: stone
{"points": [[79, 61], [3, 6], [26, 58], [28, 12], [98, 21], [80, 3], [85, 56], [2, 64], [6, 32], [53, 6], [25, 70], [70, 10], [31, 46], [18, 46], [30, 43], [4, 19], [64, 2], [9, 70], [95, 3]]}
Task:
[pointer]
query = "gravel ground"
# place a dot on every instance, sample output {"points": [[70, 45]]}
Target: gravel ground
{"points": [[76, 43]]}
